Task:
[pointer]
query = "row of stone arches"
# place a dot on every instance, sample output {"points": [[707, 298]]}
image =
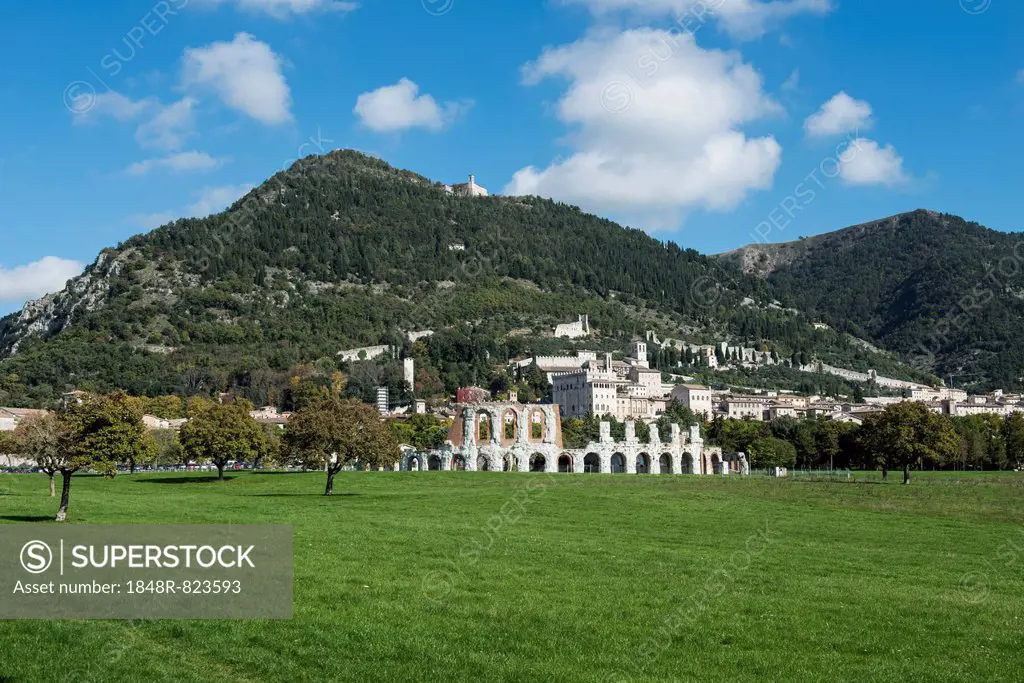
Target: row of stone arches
{"points": [[503, 427], [618, 463]]}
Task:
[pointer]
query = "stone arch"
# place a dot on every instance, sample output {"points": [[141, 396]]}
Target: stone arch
{"points": [[509, 463], [536, 426], [509, 425], [592, 463], [643, 463], [716, 463], [433, 463], [665, 463], [538, 463], [458, 463], [688, 464], [483, 426], [414, 462], [618, 463], [482, 463], [565, 463]]}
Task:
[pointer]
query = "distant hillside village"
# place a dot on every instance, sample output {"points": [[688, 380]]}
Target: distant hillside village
{"points": [[584, 383], [592, 383]]}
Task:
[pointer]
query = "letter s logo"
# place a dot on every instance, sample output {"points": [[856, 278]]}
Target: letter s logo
{"points": [[36, 557]]}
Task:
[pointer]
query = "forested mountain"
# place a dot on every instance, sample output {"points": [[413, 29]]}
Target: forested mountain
{"points": [[339, 251], [946, 294], [343, 250]]}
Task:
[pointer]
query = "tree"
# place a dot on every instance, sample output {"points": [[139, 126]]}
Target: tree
{"points": [[908, 433], [44, 438], [333, 433], [101, 431], [421, 431], [1013, 438], [221, 433], [769, 451], [168, 449]]}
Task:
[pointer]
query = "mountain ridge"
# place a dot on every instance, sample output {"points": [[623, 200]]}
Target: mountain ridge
{"points": [[344, 250], [943, 292]]}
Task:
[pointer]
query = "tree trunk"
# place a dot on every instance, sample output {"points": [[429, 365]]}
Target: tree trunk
{"points": [[906, 474], [885, 473], [329, 491], [52, 493], [131, 466], [220, 471], [65, 495]]}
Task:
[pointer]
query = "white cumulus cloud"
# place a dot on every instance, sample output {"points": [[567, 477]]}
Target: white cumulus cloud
{"points": [[399, 107], [31, 281], [865, 162], [169, 127], [245, 74], [114, 105], [179, 163], [742, 19], [841, 114], [653, 138]]}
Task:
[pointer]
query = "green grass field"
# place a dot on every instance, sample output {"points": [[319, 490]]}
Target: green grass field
{"points": [[436, 576]]}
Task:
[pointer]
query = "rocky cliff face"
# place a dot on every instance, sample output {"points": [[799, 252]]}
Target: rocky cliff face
{"points": [[55, 312]]}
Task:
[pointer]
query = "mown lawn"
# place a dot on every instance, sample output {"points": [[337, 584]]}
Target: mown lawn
{"points": [[439, 576]]}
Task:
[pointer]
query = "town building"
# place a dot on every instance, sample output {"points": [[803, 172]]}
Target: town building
{"points": [[409, 373], [622, 389], [151, 422], [364, 353], [553, 366], [695, 397], [746, 408], [270, 415], [576, 330], [472, 395], [11, 417]]}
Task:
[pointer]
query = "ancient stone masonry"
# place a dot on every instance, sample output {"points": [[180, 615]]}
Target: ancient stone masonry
{"points": [[528, 438]]}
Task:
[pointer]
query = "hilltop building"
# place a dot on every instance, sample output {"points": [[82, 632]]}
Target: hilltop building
{"points": [[580, 328], [364, 353], [553, 366], [470, 189]]}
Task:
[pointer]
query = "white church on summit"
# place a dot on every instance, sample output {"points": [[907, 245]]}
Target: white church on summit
{"points": [[470, 189]]}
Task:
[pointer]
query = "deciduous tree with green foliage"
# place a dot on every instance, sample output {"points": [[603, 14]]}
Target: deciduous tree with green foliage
{"points": [[421, 431], [333, 433], [907, 434], [168, 448], [768, 452], [1013, 438], [44, 439], [220, 433], [101, 431]]}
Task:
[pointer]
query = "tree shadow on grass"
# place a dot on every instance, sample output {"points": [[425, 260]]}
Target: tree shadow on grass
{"points": [[848, 482], [265, 473], [26, 518], [183, 480], [303, 495]]}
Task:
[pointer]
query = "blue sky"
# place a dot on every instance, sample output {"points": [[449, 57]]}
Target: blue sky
{"points": [[714, 125]]}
